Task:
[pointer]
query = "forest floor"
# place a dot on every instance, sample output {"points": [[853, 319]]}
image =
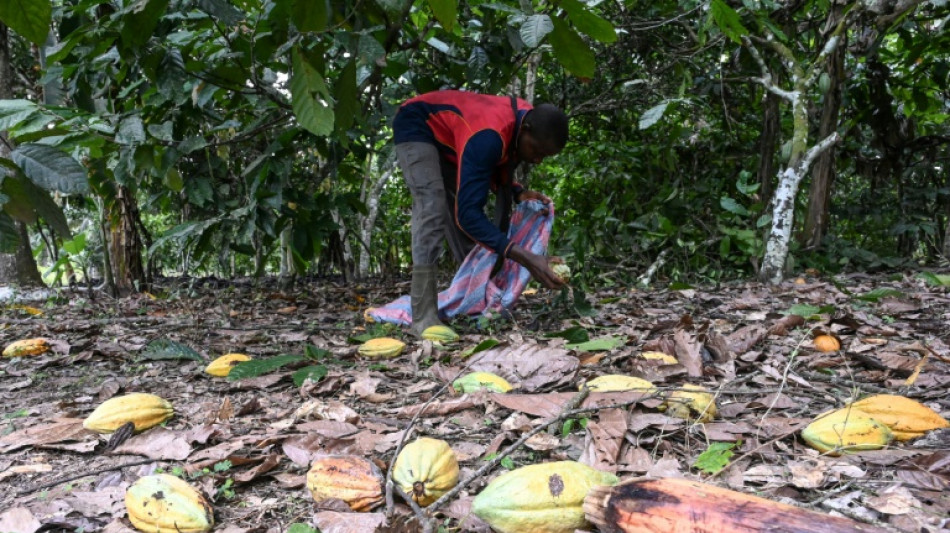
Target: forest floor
{"points": [[248, 443]]}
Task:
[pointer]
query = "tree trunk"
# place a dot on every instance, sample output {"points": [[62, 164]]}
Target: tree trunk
{"points": [[771, 126], [372, 191], [125, 244], [19, 267], [819, 195]]}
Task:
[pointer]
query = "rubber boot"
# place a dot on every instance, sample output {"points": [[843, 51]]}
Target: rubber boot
{"points": [[425, 298]]}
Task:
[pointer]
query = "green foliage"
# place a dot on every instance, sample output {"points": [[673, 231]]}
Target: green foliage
{"points": [[715, 458], [167, 349]]}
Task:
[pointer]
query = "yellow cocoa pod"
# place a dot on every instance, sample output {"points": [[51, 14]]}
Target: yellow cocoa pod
{"points": [[222, 366], [541, 498], [355, 480], [826, 343], [692, 403], [142, 409], [477, 381], [26, 347], [846, 430], [162, 503], [660, 356], [906, 418], [439, 333], [426, 469], [563, 271], [619, 383], [382, 348]]}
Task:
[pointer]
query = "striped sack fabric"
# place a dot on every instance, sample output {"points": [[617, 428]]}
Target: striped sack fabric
{"points": [[472, 292]]}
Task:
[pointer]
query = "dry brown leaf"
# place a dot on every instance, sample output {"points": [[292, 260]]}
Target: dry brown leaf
{"points": [[157, 443], [334, 522], [62, 429], [19, 520]]}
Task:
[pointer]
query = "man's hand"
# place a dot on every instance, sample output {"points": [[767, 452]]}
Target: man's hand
{"points": [[537, 265]]}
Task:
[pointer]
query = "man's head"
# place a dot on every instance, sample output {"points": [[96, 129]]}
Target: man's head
{"points": [[543, 133]]}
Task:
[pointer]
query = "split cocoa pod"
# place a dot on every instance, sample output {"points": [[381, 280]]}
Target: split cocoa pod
{"points": [[543, 498], [142, 409], [906, 418], [691, 402], [846, 430], [25, 347], [478, 381], [163, 503], [675, 504], [425, 469], [382, 348], [619, 383], [355, 480]]}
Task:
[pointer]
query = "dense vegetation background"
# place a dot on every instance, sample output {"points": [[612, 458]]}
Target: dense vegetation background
{"points": [[710, 140]]}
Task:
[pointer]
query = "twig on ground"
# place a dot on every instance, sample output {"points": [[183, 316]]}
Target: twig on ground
{"points": [[87, 474]]}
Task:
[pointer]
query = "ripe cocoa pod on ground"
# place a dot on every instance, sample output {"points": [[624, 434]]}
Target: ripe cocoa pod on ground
{"points": [[162, 503], [906, 418], [382, 348], [846, 430], [440, 333], [540, 498], [693, 403], [142, 409], [426, 469], [355, 480], [25, 347], [477, 381], [222, 366], [619, 383]]}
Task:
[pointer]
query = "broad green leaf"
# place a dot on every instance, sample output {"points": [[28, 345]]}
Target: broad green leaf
{"points": [[727, 20], [581, 305], [9, 238], [140, 20], [734, 207], [315, 353], [131, 130], [51, 169], [29, 18], [223, 11], [446, 12], [653, 115], [310, 15], [588, 23], [181, 232], [258, 367], [534, 29], [941, 280], [18, 199], [599, 344], [575, 335], [345, 91], [877, 294], [49, 210], [715, 458], [301, 528], [313, 372], [75, 245], [807, 311], [160, 349], [13, 112], [486, 344], [309, 94], [372, 53]]}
